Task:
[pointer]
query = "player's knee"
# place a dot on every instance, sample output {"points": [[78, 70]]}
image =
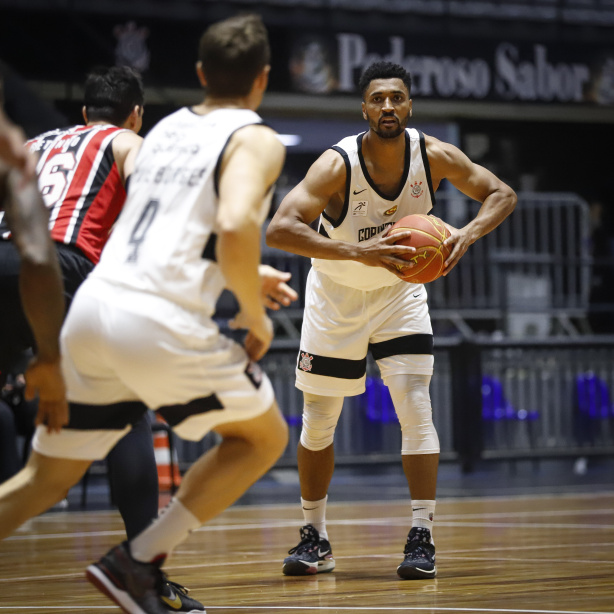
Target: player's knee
{"points": [[320, 416], [271, 437], [412, 402]]}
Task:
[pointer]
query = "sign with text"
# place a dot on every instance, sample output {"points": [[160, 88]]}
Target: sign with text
{"points": [[461, 70], [321, 63]]}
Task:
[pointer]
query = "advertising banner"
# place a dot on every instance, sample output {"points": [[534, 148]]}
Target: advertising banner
{"points": [[64, 46]]}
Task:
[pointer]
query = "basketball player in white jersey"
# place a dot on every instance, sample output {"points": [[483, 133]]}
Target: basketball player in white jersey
{"points": [[140, 333], [356, 301]]}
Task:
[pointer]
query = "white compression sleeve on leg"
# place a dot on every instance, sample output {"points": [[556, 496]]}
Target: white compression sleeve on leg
{"points": [[412, 402], [320, 416]]}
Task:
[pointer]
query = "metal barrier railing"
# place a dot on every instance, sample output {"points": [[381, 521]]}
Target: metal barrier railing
{"points": [[505, 400], [533, 267]]}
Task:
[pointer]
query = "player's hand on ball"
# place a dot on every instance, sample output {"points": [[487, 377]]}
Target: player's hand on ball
{"points": [[385, 251], [458, 243]]}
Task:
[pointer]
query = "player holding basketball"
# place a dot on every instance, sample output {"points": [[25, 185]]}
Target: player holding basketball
{"points": [[355, 300], [140, 334]]}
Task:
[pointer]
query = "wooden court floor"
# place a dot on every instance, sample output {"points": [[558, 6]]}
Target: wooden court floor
{"points": [[546, 554]]}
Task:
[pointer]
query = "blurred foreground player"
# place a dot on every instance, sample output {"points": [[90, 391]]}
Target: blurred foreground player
{"points": [[140, 333], [356, 302], [40, 280]]}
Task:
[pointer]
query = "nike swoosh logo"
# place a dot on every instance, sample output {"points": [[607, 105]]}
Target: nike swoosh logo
{"points": [[320, 553], [361, 191], [173, 603], [416, 296], [417, 509]]}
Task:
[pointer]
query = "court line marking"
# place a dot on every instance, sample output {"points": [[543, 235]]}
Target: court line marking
{"points": [[350, 522], [451, 554], [332, 608], [395, 609], [604, 493]]}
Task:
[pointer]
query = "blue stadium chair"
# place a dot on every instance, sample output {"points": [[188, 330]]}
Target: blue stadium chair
{"points": [[593, 396], [496, 407]]}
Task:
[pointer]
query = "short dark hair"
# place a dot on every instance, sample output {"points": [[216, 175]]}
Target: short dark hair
{"points": [[383, 70], [112, 93], [233, 52]]}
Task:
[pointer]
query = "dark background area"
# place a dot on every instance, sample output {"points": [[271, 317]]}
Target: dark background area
{"points": [[545, 145]]}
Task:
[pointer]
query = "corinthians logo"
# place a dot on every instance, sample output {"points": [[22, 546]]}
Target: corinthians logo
{"points": [[416, 189], [305, 361]]}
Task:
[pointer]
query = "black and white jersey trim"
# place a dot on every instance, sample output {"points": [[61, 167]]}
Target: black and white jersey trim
{"points": [[346, 198], [365, 172], [218, 164], [427, 166]]}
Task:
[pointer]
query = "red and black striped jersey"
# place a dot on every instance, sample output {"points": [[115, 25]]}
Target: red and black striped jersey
{"points": [[80, 184]]}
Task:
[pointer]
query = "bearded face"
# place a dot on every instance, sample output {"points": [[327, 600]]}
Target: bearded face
{"points": [[387, 107]]}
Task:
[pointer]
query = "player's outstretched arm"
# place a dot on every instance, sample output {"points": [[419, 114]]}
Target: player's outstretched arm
{"points": [[324, 185], [497, 198], [42, 296], [251, 165]]}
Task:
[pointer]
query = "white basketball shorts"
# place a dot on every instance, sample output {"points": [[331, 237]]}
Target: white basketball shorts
{"points": [[341, 324], [125, 351]]}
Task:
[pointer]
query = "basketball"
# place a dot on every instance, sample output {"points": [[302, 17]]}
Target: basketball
{"points": [[427, 235]]}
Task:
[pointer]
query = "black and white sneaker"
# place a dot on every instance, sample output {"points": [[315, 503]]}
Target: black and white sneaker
{"points": [[312, 555], [134, 586], [419, 563]]}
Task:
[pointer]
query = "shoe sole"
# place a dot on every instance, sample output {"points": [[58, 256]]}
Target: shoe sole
{"points": [[415, 573], [100, 580], [300, 568]]}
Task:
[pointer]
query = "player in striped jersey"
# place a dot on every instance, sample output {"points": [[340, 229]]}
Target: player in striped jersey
{"points": [[82, 172]]}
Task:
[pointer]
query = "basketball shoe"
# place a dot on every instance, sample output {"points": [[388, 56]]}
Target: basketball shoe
{"points": [[419, 553], [312, 555], [175, 598], [134, 586]]}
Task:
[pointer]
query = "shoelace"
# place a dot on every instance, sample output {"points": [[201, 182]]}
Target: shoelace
{"points": [[416, 545], [175, 585], [309, 540]]}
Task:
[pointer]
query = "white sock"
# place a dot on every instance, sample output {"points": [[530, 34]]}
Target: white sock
{"points": [[314, 513], [168, 530], [423, 512]]}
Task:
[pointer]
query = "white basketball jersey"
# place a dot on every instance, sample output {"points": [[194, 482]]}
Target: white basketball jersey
{"points": [[367, 212], [164, 240]]}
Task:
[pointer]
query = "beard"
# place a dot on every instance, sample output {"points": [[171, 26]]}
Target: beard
{"points": [[390, 133]]}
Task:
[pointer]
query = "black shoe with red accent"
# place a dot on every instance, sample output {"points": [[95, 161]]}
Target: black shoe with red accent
{"points": [[419, 563], [134, 586], [312, 555]]}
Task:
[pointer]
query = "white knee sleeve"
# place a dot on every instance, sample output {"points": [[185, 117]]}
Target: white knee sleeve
{"points": [[320, 416], [412, 402]]}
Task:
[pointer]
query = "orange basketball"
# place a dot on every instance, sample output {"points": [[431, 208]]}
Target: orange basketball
{"points": [[427, 235]]}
